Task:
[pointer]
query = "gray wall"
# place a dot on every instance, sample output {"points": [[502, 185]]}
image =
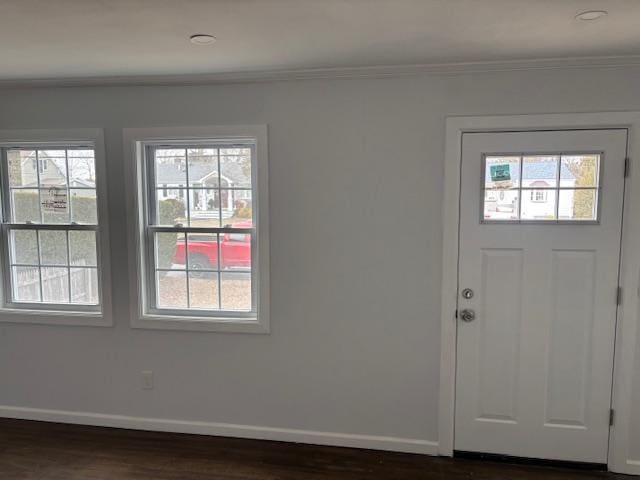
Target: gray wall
{"points": [[356, 169]]}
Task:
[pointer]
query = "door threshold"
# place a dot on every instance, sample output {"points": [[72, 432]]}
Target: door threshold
{"points": [[539, 462]]}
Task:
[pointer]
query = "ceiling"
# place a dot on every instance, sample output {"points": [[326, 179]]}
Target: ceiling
{"points": [[47, 39]]}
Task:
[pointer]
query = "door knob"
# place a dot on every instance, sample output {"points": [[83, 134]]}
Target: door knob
{"points": [[467, 315]]}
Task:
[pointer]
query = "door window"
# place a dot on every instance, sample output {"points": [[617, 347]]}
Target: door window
{"points": [[544, 188]]}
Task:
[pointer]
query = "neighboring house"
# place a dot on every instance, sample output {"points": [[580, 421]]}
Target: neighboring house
{"points": [[205, 200], [537, 202], [51, 172]]}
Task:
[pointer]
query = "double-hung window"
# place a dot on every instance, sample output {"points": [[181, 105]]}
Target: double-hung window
{"points": [[52, 229], [201, 229]]}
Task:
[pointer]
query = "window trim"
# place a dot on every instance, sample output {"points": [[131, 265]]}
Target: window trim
{"points": [[63, 314], [142, 316]]}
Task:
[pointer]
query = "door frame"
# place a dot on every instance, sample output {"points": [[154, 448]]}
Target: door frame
{"points": [[627, 318]]}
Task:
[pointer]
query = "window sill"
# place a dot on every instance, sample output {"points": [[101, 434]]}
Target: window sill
{"points": [[201, 324], [54, 317]]}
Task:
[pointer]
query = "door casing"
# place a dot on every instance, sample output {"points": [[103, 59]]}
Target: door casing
{"points": [[618, 459]]}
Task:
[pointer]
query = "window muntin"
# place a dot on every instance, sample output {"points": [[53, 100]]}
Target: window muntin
{"points": [[200, 237], [541, 188], [50, 228]]}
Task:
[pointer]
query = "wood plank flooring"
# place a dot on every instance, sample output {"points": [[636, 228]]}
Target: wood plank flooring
{"points": [[47, 451]]}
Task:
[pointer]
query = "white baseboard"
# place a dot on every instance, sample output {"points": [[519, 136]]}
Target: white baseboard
{"points": [[632, 467], [408, 445]]}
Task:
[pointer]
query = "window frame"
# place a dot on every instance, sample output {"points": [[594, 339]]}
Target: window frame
{"points": [[57, 313], [144, 314]]}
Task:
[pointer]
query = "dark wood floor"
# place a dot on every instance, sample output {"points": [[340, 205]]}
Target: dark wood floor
{"points": [[47, 451]]}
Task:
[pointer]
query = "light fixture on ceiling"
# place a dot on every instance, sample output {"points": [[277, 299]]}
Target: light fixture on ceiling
{"points": [[591, 15], [202, 39]]}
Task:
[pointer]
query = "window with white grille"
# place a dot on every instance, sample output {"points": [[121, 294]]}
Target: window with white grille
{"points": [[200, 233], [542, 188], [51, 227]]}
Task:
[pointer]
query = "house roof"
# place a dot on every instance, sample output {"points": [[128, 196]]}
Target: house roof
{"points": [[174, 174], [545, 170], [27, 161]]}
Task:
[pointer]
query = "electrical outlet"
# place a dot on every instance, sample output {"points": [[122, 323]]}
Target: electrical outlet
{"points": [[147, 380]]}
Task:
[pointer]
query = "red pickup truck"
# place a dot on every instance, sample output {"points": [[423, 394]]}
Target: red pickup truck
{"points": [[235, 251]]}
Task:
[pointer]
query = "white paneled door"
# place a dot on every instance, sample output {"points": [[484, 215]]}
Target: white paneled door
{"points": [[540, 227]]}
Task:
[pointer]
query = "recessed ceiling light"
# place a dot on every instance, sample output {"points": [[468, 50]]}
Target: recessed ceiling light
{"points": [[591, 15], [202, 39]]}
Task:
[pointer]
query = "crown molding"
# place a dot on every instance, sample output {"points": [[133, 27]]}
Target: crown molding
{"points": [[330, 73]]}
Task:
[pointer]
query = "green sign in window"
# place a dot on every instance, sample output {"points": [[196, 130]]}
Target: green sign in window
{"points": [[500, 173]]}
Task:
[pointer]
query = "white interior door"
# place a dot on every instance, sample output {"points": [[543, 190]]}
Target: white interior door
{"points": [[540, 227]]}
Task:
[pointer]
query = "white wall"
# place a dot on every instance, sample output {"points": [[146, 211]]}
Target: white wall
{"points": [[356, 171]]}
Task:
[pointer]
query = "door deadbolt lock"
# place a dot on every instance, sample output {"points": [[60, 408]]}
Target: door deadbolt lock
{"points": [[467, 293], [467, 315]]}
